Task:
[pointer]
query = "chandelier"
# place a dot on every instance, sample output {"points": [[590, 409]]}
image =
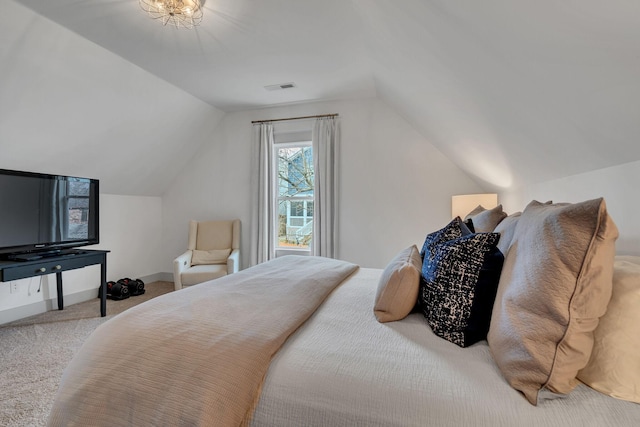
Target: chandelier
{"points": [[179, 13]]}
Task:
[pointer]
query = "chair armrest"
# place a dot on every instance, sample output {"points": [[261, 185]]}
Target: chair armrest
{"points": [[233, 262], [179, 265]]}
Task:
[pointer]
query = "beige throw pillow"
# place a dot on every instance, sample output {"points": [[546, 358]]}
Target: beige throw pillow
{"points": [[213, 256], [486, 220], [555, 285], [614, 367], [398, 286]]}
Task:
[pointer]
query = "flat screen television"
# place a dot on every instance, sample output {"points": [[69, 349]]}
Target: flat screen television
{"points": [[43, 214]]}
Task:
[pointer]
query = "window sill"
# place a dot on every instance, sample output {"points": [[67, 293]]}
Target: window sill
{"points": [[290, 251]]}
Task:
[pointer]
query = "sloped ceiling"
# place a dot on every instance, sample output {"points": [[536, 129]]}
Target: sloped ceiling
{"points": [[514, 92]]}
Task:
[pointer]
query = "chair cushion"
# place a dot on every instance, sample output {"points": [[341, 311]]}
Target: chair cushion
{"points": [[202, 273], [214, 235], [213, 256]]}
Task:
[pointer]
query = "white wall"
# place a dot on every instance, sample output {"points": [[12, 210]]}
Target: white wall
{"points": [[71, 107], [395, 186], [68, 106], [618, 185], [130, 228]]}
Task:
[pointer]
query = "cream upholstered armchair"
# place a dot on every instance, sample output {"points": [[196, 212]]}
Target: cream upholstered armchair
{"points": [[214, 251]]}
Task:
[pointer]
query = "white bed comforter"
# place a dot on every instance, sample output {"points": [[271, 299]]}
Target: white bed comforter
{"points": [[343, 368], [197, 356]]}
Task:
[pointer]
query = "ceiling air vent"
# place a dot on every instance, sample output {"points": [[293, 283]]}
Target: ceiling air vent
{"points": [[281, 86]]}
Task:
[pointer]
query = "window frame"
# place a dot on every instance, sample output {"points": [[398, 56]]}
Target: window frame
{"points": [[286, 250]]}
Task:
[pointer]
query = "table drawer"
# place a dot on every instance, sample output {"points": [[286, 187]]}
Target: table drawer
{"points": [[41, 268]]}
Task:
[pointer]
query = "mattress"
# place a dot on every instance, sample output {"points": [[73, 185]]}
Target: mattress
{"points": [[343, 368]]}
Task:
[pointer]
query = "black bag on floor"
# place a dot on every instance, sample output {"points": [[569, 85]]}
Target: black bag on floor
{"points": [[117, 291], [136, 287]]}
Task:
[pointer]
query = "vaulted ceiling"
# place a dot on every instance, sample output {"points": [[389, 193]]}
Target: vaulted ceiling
{"points": [[511, 91]]}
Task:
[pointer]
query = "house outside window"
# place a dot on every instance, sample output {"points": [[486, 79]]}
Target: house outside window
{"points": [[295, 179]]}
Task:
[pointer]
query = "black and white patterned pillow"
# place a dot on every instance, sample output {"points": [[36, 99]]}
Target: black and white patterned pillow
{"points": [[456, 228], [459, 284]]}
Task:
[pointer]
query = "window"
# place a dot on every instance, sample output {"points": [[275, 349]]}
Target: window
{"points": [[295, 195], [283, 173], [78, 208]]}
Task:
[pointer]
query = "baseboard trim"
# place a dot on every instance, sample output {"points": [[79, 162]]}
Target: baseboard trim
{"points": [[17, 313], [158, 277], [13, 314]]}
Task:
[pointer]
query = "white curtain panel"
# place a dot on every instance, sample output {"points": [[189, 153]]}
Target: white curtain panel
{"points": [[264, 195], [325, 139]]}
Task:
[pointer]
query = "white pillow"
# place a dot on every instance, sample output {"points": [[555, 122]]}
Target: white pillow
{"points": [[506, 228], [614, 367]]}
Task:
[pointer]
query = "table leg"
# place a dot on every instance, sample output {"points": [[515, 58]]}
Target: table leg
{"points": [[59, 289], [103, 287]]}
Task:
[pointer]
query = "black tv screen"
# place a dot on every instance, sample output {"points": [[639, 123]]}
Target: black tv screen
{"points": [[42, 213]]}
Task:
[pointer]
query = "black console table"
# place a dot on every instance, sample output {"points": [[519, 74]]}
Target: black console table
{"points": [[66, 260]]}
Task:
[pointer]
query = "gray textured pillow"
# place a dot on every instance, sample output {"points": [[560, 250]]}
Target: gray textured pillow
{"points": [[486, 220], [398, 286], [555, 284]]}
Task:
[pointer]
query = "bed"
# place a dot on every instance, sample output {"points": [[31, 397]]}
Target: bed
{"points": [[336, 365], [343, 368]]}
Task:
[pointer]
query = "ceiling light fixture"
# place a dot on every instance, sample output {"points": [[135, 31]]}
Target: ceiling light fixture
{"points": [[179, 13]]}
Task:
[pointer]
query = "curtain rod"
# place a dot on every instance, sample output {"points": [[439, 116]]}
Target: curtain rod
{"points": [[295, 118]]}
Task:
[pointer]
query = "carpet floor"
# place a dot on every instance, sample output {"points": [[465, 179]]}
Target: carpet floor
{"points": [[34, 352]]}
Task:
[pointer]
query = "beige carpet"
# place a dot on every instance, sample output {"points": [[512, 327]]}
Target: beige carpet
{"points": [[34, 351]]}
